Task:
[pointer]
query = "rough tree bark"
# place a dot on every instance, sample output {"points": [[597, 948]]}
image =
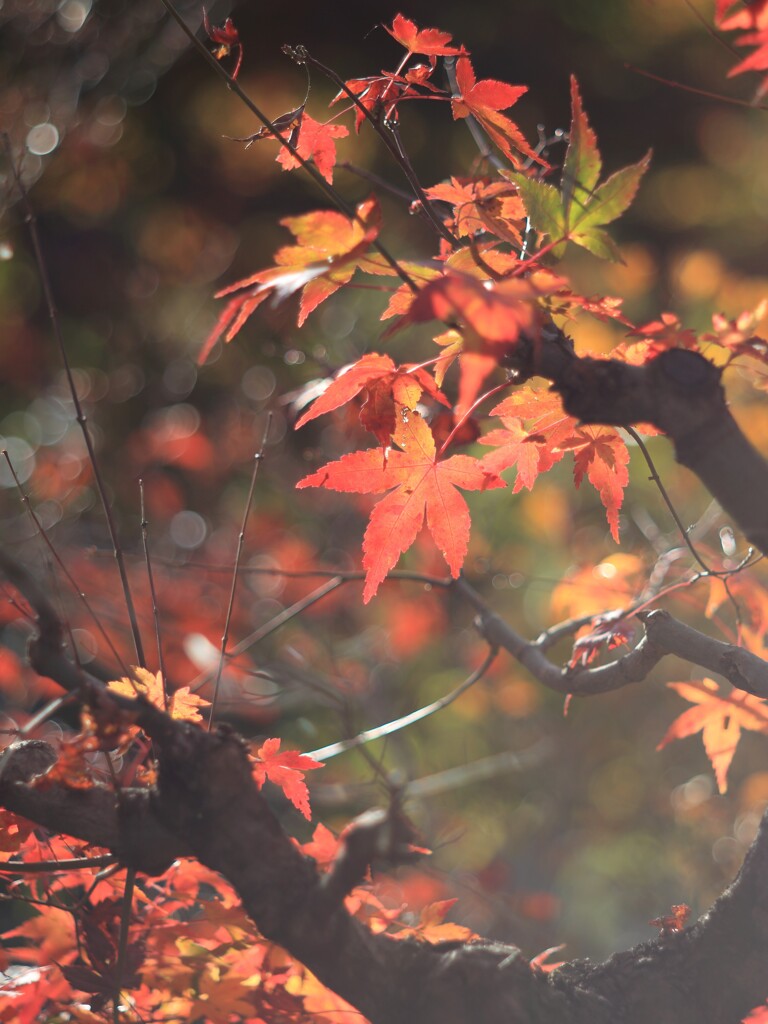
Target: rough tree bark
{"points": [[206, 804]]}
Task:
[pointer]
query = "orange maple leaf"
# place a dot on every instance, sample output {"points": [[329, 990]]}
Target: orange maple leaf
{"points": [[601, 455], [541, 962], [13, 832], [182, 703], [599, 452], [481, 205], [491, 313], [386, 386], [533, 450], [330, 248], [429, 41], [432, 926], [316, 142], [323, 847], [720, 719], [422, 484], [484, 100], [73, 768], [285, 768]]}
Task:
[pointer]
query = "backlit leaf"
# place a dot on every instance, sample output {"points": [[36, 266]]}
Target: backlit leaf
{"points": [[285, 768], [421, 487], [579, 210], [330, 247], [719, 717], [429, 41], [485, 100], [385, 387]]}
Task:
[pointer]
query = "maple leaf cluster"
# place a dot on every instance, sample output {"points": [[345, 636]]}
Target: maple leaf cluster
{"points": [[493, 296], [493, 287], [488, 318]]}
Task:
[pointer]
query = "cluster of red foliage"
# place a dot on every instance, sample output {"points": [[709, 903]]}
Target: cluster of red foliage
{"points": [[179, 947]]}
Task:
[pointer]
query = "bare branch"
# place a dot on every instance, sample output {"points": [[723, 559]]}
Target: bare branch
{"points": [[334, 749], [663, 635], [680, 393]]}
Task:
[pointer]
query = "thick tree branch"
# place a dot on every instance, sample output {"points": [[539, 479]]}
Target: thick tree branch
{"points": [[206, 804], [680, 393]]}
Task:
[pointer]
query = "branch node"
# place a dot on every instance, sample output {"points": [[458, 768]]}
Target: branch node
{"points": [[376, 835]]}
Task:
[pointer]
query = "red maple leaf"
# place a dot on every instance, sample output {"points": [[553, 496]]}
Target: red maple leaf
{"points": [[386, 386], [484, 100], [422, 484], [379, 95], [227, 39], [312, 140], [720, 719], [599, 452], [315, 141], [605, 632], [752, 16], [285, 768], [330, 248], [601, 455], [429, 41], [370, 93]]}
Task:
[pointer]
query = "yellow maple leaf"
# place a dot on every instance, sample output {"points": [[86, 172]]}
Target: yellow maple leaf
{"points": [[182, 703]]}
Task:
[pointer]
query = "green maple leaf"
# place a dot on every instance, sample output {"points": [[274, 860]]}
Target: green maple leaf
{"points": [[579, 210]]}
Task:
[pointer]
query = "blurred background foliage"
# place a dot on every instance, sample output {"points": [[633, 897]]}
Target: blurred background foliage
{"points": [[549, 828]]}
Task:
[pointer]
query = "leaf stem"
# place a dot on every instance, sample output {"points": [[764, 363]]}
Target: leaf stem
{"points": [[390, 138], [335, 196]]}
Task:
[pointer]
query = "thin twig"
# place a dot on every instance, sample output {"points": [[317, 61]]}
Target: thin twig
{"points": [[257, 459], [672, 84], [389, 137], [345, 575], [312, 171], [375, 179], [338, 794], [50, 866], [122, 942], [667, 500], [59, 561], [53, 315], [153, 595], [710, 30], [274, 624], [334, 749]]}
